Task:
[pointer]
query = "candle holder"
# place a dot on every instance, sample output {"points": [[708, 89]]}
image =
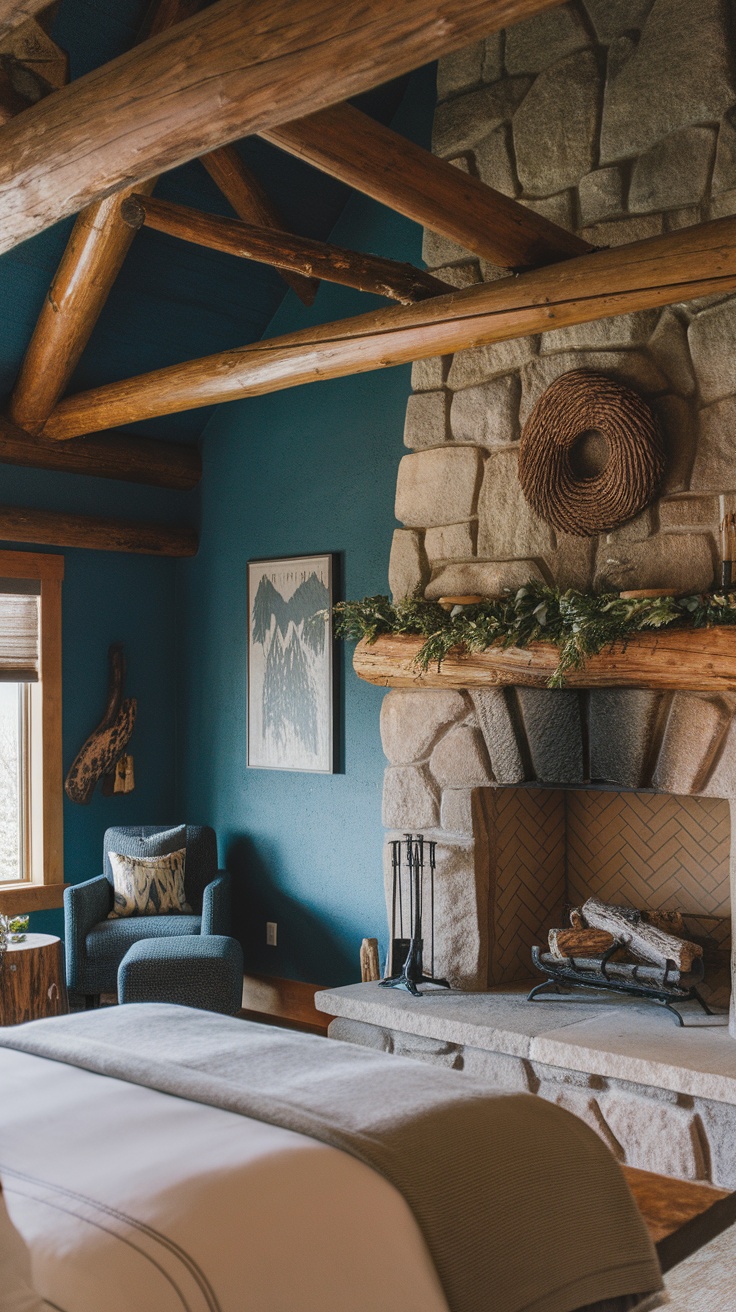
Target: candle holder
{"points": [[412, 883]]}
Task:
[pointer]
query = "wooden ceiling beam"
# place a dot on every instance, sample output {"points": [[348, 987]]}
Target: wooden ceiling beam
{"points": [[238, 67], [54, 529], [252, 204], [94, 255], [110, 455], [368, 273], [374, 159], [659, 271]]}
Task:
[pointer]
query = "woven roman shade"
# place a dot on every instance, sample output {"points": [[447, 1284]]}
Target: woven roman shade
{"points": [[19, 630]]}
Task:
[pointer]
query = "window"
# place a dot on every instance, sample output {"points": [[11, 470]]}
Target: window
{"points": [[31, 859]]}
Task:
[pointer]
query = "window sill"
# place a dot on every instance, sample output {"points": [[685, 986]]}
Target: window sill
{"points": [[18, 899]]}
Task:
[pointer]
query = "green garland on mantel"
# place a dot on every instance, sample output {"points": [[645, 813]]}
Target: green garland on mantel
{"points": [[579, 624]]}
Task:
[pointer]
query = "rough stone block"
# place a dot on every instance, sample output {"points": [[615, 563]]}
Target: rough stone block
{"points": [[559, 209], [434, 1051], [620, 232], [412, 722], [718, 1120], [565, 99], [625, 330], [722, 782], [459, 124], [496, 722], [450, 542], [460, 759], [482, 578], [408, 569], [558, 1075], [439, 251], [461, 913], [669, 349], [544, 39], [554, 733], [430, 375], [669, 1096], [456, 811], [409, 799], [488, 414], [676, 419], [572, 562], [688, 514], [655, 1137], [634, 368], [711, 338], [685, 217], [620, 726], [493, 57], [494, 161], [683, 562], [673, 172], [426, 419], [507, 526], [480, 364], [678, 75], [637, 529], [611, 18], [724, 169], [359, 1031], [714, 467], [438, 486], [601, 195], [695, 730], [586, 1108], [497, 1069], [460, 71], [460, 275], [721, 206]]}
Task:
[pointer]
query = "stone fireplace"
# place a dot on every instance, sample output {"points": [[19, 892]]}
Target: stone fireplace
{"points": [[616, 119]]}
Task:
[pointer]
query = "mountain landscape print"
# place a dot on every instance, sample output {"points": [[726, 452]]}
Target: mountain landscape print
{"points": [[290, 664]]}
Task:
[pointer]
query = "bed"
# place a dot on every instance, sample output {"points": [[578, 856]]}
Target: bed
{"points": [[155, 1159]]}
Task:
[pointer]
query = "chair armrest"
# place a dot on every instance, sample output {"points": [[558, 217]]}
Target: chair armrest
{"points": [[85, 905], [216, 905]]}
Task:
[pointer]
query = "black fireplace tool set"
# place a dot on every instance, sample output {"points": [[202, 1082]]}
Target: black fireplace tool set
{"points": [[412, 883]]}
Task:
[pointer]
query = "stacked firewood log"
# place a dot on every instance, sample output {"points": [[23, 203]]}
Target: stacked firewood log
{"points": [[651, 944]]}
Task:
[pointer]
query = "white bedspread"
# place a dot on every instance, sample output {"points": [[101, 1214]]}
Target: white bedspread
{"points": [[132, 1200]]}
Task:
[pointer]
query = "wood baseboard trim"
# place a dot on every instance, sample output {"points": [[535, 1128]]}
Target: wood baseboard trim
{"points": [[284, 999]]}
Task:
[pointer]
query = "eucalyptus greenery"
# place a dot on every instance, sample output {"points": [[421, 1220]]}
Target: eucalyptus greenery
{"points": [[579, 624]]}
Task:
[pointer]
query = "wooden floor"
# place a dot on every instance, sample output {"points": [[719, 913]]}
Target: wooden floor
{"points": [[681, 1215]]}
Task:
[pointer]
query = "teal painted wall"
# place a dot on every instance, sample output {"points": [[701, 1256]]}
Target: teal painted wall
{"points": [[307, 470]]}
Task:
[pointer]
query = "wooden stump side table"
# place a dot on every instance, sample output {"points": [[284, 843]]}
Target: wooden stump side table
{"points": [[32, 982]]}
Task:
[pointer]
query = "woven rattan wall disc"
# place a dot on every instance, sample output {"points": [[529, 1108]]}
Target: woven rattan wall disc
{"points": [[576, 404]]}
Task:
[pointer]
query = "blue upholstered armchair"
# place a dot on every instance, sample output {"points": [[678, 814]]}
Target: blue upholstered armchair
{"points": [[95, 946]]}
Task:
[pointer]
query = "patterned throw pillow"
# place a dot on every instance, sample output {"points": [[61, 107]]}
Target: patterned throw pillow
{"points": [[149, 885]]}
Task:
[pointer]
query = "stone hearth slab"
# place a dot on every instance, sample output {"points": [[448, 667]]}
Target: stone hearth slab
{"points": [[699, 1059], [599, 1035]]}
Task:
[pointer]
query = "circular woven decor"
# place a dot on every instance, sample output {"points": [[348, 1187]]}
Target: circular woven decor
{"points": [[573, 407]]}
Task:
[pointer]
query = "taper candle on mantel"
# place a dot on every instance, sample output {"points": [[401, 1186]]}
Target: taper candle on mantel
{"points": [[728, 549]]}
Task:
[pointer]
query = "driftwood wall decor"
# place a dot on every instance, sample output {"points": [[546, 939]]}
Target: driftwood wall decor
{"points": [[100, 753]]}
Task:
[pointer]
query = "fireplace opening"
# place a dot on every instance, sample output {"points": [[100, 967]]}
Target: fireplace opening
{"points": [[549, 849]]}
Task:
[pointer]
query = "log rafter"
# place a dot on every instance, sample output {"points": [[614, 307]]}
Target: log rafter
{"points": [[237, 67], [375, 160], [95, 533], [94, 255], [121, 456], [252, 204], [15, 12], [652, 273], [368, 273]]}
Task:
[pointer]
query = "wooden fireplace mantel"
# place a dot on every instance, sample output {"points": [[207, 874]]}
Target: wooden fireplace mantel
{"points": [[692, 660]]}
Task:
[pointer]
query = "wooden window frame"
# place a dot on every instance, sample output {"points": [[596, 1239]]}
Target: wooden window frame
{"points": [[44, 886]]}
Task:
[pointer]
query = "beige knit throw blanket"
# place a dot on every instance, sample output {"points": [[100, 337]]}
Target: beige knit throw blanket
{"points": [[522, 1206]]}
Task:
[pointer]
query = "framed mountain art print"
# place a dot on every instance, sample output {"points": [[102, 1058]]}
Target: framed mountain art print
{"points": [[290, 673]]}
